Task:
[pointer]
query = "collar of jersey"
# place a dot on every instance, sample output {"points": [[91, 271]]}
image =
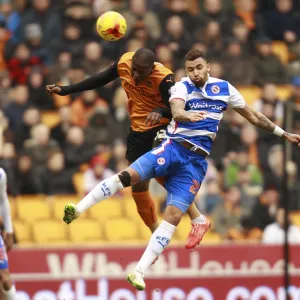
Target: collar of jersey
{"points": [[195, 87]]}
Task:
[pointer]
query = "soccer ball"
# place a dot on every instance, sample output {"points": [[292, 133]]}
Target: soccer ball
{"points": [[111, 26]]}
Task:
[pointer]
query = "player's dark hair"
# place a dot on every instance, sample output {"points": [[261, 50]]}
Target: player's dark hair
{"points": [[194, 54], [145, 55]]}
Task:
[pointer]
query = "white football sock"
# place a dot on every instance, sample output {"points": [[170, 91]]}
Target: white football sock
{"points": [[100, 192], [11, 293], [159, 240], [200, 220]]}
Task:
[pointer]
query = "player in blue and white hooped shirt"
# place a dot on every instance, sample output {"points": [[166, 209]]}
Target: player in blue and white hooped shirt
{"points": [[197, 103], [6, 240]]}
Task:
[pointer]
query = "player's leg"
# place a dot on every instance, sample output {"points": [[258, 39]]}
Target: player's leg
{"points": [[158, 242], [8, 288], [145, 204], [100, 192]]}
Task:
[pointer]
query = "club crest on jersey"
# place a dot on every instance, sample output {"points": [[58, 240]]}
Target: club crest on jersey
{"points": [[215, 89], [148, 83], [161, 161]]}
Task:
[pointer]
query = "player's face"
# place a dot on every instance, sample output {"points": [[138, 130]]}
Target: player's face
{"points": [[197, 70], [140, 71]]}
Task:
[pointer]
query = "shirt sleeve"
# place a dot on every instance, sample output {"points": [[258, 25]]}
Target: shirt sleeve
{"points": [[92, 82], [178, 91], [4, 203], [235, 100]]}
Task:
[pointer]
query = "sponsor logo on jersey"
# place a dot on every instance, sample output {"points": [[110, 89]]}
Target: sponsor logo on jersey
{"points": [[205, 105], [195, 187]]}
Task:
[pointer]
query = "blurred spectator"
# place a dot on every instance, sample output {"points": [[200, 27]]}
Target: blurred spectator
{"points": [[37, 94], [84, 107], [11, 19], [139, 16], [274, 233], [40, 146], [165, 56], [232, 173], [216, 69], [241, 33], [59, 132], [49, 20], [30, 118], [179, 74], [56, 179], [264, 211], [102, 129], [26, 180], [228, 213], [4, 37], [118, 154], [200, 45], [269, 96], [212, 37], [75, 149], [178, 8], [58, 73], [33, 38], [282, 23], [249, 138], [102, 6], [212, 197], [246, 11], [237, 65], [267, 66], [15, 109], [93, 61], [21, 64], [178, 39], [72, 40], [97, 172], [8, 163], [293, 103], [214, 12], [5, 88]]}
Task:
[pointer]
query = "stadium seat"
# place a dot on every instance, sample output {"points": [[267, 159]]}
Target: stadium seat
{"points": [[295, 218], [284, 91], [32, 208], [250, 93], [59, 203], [50, 231], [211, 238], [23, 232], [13, 208], [107, 209], [280, 49], [121, 229], [86, 231], [50, 118], [130, 208], [78, 183]]}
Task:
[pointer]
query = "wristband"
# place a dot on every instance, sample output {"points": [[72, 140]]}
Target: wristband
{"points": [[278, 131]]}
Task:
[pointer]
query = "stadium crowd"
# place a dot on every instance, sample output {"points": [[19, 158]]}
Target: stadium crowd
{"points": [[48, 140]]}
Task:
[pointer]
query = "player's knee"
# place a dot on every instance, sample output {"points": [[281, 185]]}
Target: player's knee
{"points": [[125, 178], [140, 187], [173, 215], [5, 279]]}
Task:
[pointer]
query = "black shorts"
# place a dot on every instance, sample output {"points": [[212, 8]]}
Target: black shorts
{"points": [[139, 143]]}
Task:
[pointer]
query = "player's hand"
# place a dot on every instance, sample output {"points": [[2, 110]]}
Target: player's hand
{"points": [[8, 239], [292, 138], [53, 89], [197, 116], [153, 118]]}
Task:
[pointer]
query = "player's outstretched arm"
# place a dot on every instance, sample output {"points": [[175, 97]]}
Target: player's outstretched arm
{"points": [[260, 120], [90, 83], [181, 115]]}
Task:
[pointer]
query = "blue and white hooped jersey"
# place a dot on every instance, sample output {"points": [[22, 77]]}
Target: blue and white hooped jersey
{"points": [[214, 98]]}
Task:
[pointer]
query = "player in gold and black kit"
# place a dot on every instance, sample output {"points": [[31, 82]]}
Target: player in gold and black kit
{"points": [[147, 84]]}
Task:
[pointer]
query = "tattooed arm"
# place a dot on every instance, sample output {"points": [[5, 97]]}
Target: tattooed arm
{"points": [[260, 120], [181, 115]]}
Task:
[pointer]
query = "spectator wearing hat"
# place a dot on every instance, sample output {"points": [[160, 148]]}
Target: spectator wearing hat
{"points": [[96, 172], [267, 66]]}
